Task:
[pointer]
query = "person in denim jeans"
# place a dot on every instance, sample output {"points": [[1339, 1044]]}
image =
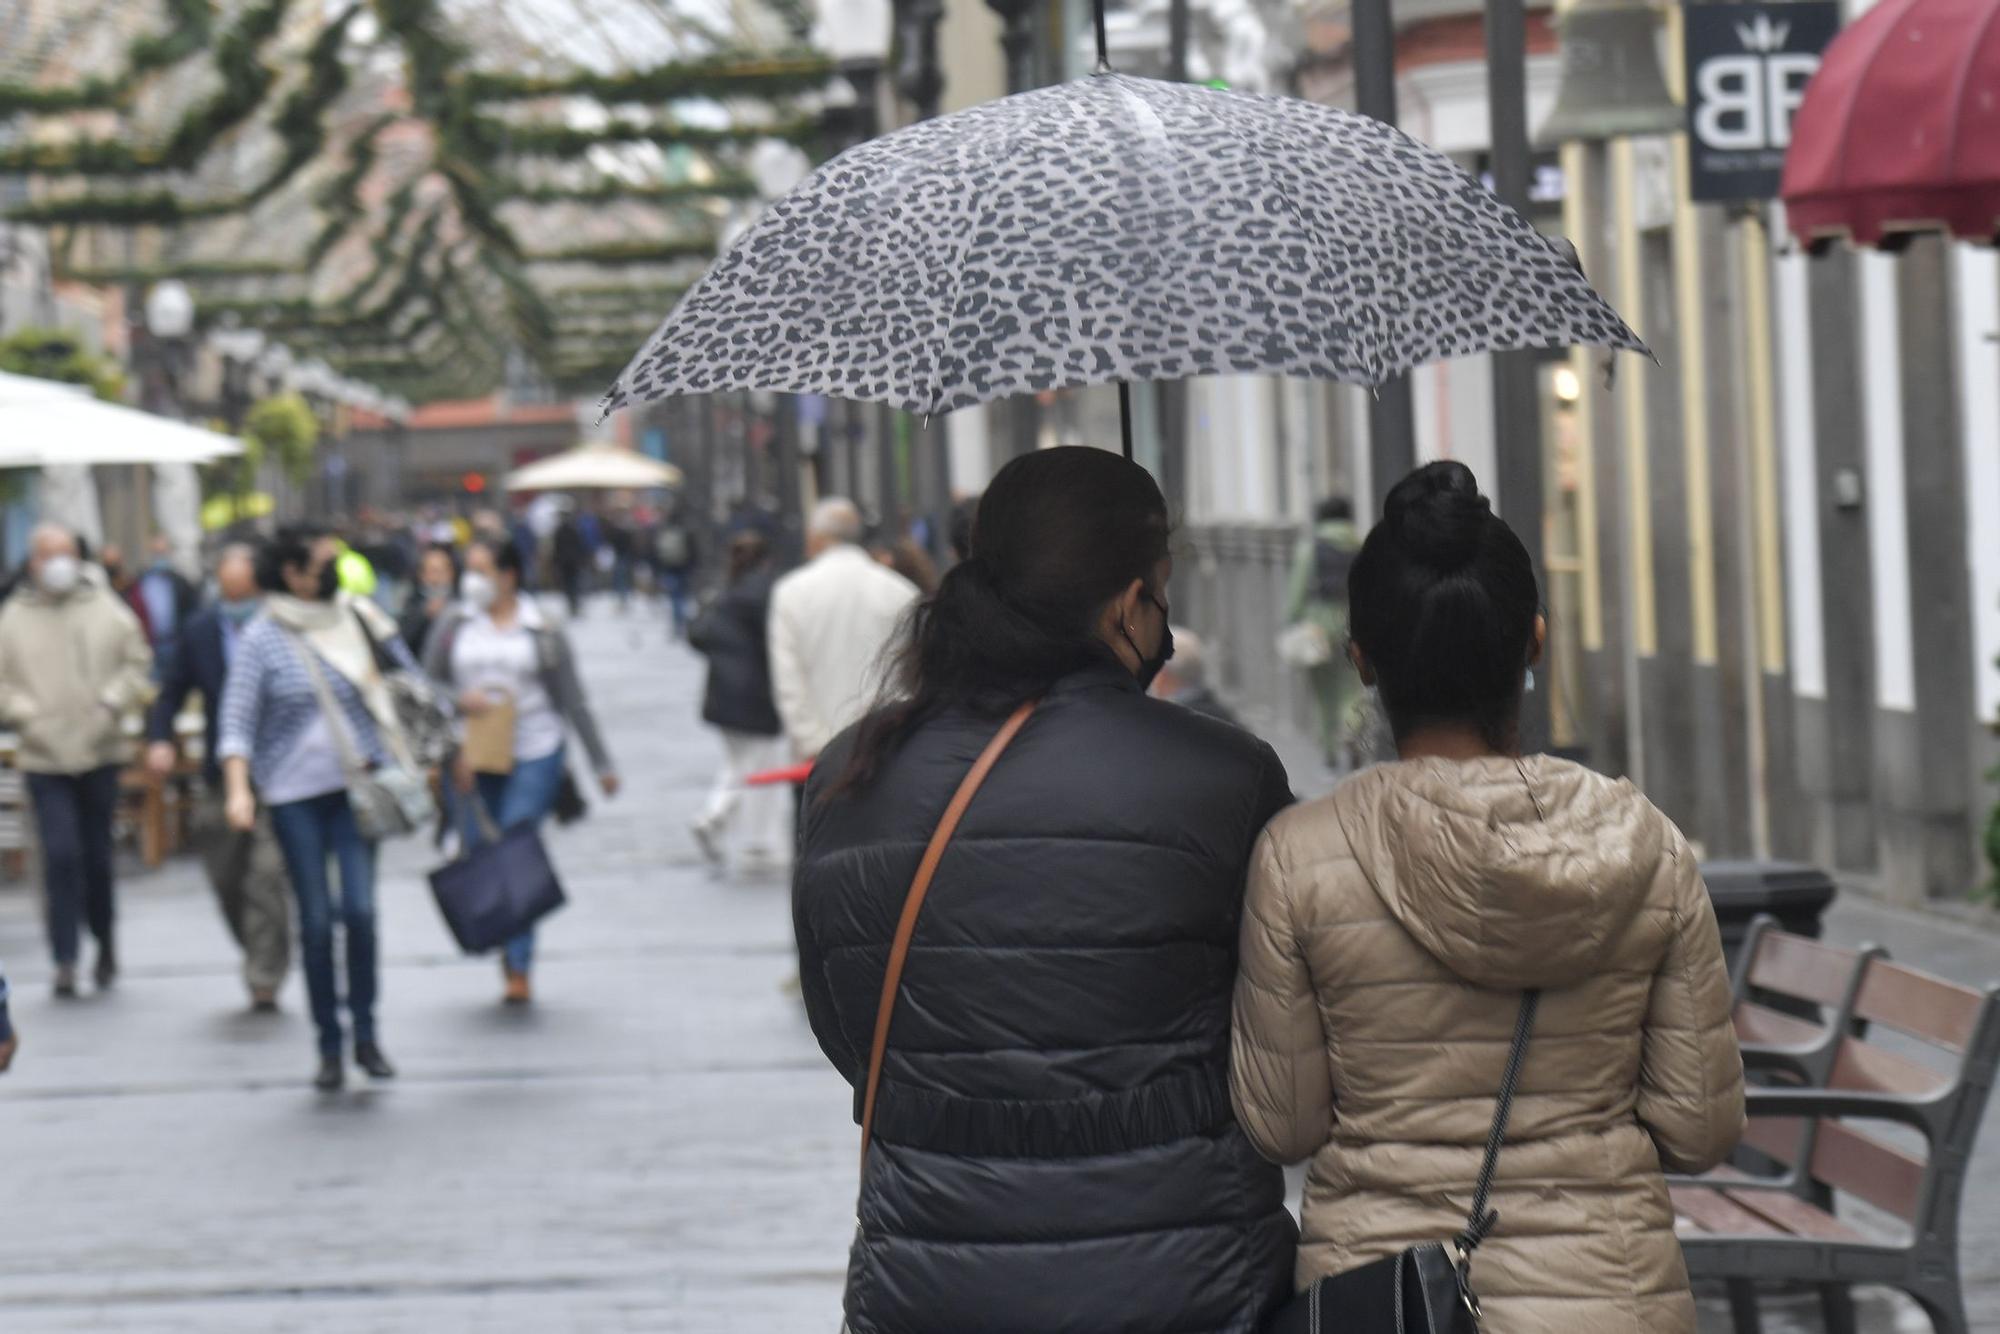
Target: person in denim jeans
{"points": [[497, 647], [277, 736]]}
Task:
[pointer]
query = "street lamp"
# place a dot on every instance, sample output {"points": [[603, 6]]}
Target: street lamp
{"points": [[1018, 20], [168, 319], [919, 79], [855, 35]]}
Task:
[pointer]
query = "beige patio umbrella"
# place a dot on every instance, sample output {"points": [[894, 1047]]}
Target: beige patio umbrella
{"points": [[594, 467]]}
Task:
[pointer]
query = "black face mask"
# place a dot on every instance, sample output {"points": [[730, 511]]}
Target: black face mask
{"points": [[1150, 668], [329, 582]]}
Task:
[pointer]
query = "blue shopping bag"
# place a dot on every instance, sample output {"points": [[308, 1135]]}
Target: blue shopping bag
{"points": [[499, 889]]}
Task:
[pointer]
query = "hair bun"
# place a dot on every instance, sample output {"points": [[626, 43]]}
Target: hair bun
{"points": [[1438, 515]]}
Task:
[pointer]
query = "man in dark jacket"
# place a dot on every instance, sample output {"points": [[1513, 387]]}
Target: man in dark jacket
{"points": [[571, 559], [247, 870]]}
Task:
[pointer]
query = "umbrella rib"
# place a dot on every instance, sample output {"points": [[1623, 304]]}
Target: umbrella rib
{"points": [[943, 338], [1298, 214]]}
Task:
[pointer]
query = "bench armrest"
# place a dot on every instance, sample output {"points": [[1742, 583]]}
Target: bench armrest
{"points": [[1838, 1103]]}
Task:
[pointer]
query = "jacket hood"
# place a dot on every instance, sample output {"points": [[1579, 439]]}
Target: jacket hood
{"points": [[1512, 873]]}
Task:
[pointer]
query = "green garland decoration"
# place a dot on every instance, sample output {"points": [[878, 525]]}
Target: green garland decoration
{"points": [[656, 301], [185, 271], [58, 354], [562, 141], [418, 296], [619, 253], [300, 123], [190, 26], [726, 74], [728, 185], [161, 208], [342, 196], [246, 81]]}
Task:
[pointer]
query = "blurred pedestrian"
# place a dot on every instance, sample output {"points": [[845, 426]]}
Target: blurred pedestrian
{"points": [[501, 658], [283, 747], [830, 620], [123, 582], [731, 634], [571, 558], [437, 589], [1184, 681], [528, 545], [1060, 1044], [911, 561], [168, 597], [73, 665], [674, 564], [246, 870], [356, 573], [1392, 926], [10, 1041], [620, 540], [1315, 639], [962, 515]]}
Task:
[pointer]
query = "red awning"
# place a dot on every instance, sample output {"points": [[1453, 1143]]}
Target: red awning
{"points": [[1900, 129]]}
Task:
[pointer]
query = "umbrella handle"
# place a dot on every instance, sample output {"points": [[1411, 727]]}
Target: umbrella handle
{"points": [[1124, 387]]}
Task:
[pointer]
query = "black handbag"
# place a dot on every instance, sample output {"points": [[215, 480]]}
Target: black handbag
{"points": [[498, 889], [1426, 1289]]}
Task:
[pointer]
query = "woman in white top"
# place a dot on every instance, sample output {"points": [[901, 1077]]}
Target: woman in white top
{"points": [[496, 648]]}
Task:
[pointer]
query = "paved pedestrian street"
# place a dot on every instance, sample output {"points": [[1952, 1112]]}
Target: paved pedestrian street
{"points": [[656, 1146]]}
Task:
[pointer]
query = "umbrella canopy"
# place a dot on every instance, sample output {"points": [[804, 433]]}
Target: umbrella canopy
{"points": [[1118, 228], [14, 388], [594, 468], [44, 423]]}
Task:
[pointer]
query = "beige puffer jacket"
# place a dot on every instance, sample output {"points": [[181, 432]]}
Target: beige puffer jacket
{"points": [[1390, 930]]}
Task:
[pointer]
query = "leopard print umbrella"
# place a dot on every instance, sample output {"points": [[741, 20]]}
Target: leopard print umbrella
{"points": [[1117, 229]]}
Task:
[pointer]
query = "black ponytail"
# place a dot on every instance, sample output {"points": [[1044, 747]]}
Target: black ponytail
{"points": [[1442, 601], [1058, 534]]}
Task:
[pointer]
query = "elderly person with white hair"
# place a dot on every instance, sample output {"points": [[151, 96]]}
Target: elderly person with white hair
{"points": [[1184, 680], [830, 620], [73, 664]]}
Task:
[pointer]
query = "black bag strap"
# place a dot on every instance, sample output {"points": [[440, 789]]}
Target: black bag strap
{"points": [[1480, 1223]]}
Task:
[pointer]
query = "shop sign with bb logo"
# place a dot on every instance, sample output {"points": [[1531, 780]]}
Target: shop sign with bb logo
{"points": [[1747, 67]]}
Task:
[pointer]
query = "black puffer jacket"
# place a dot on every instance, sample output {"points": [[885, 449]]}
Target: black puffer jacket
{"points": [[1054, 1149], [730, 633]]}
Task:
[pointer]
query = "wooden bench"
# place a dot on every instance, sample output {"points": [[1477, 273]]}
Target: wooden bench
{"points": [[1742, 1229], [1779, 979]]}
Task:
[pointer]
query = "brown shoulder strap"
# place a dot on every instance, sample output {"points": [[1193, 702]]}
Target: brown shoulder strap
{"points": [[899, 951]]}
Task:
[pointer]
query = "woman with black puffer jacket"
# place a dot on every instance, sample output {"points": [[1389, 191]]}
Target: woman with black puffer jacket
{"points": [[737, 702], [1053, 1150]]}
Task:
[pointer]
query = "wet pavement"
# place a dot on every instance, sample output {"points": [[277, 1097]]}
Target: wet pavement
{"points": [[656, 1146]]}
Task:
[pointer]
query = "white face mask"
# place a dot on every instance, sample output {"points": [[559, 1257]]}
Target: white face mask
{"points": [[478, 589], [59, 574]]}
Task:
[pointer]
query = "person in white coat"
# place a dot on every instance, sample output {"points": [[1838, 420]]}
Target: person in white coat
{"points": [[830, 621]]}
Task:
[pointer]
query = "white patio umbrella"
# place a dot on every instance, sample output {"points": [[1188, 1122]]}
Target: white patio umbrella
{"points": [[43, 424], [594, 467]]}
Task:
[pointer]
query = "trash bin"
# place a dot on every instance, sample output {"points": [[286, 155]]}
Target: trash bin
{"points": [[1792, 892]]}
